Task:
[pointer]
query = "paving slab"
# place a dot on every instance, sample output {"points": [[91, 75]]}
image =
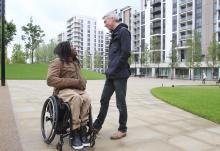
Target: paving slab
{"points": [[152, 124], [9, 138]]}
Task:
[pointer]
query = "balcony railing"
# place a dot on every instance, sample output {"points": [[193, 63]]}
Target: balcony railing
{"points": [[186, 19], [155, 16], [156, 25], [183, 10], [156, 9], [184, 1], [153, 2]]}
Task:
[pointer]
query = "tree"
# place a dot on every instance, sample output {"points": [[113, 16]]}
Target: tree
{"points": [[173, 58], [10, 32], [44, 53], [145, 56], [218, 53], [155, 54], [213, 55], [97, 60], [32, 37], [194, 55], [131, 58], [18, 56], [155, 49], [87, 60]]}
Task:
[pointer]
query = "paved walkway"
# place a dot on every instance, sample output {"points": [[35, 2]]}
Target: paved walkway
{"points": [[8, 128], [152, 125]]}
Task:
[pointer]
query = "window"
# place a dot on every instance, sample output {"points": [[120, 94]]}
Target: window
{"points": [[143, 17], [164, 26], [174, 23], [164, 42], [182, 55], [164, 12], [142, 31]]}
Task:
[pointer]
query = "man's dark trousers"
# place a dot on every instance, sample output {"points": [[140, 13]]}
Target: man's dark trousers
{"points": [[119, 86]]}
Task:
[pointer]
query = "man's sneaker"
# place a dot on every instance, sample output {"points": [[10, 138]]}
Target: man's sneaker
{"points": [[83, 134], [75, 140]]}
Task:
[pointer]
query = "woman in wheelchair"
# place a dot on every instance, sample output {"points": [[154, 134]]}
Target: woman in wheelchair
{"points": [[69, 85]]}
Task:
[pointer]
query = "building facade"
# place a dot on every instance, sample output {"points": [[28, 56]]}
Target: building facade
{"points": [[81, 32], [132, 18], [164, 22], [62, 37], [89, 41]]}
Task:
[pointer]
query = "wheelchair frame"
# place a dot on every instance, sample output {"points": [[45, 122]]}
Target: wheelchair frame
{"points": [[50, 113]]}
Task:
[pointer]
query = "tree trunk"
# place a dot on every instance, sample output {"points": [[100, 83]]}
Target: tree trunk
{"points": [[190, 73], [32, 56]]}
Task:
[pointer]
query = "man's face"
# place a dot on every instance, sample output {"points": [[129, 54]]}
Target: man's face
{"points": [[109, 22]]}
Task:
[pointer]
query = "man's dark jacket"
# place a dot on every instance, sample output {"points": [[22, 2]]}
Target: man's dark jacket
{"points": [[119, 52]]}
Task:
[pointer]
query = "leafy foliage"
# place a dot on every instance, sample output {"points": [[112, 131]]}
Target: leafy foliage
{"points": [[18, 56], [87, 60], [44, 53], [97, 60], [32, 37], [10, 32]]}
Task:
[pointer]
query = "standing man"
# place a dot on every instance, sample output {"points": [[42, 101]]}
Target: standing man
{"points": [[116, 75]]}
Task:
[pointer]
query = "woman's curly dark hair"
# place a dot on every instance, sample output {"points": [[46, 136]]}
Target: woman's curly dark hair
{"points": [[63, 50]]}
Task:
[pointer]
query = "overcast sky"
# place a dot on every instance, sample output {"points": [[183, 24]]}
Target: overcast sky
{"points": [[52, 15]]}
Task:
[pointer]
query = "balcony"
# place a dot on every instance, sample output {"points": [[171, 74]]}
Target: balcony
{"points": [[183, 10], [189, 18], [185, 37], [187, 27], [182, 43], [182, 2], [155, 32], [183, 28], [184, 19], [155, 16], [154, 2], [157, 25], [189, 8], [156, 9], [69, 25]]}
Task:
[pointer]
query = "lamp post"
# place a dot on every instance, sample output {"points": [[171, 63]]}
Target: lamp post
{"points": [[3, 45]]}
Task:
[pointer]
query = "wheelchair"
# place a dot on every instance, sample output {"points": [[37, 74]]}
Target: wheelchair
{"points": [[56, 119]]}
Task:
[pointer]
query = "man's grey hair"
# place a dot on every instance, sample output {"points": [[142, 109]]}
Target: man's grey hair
{"points": [[112, 14]]}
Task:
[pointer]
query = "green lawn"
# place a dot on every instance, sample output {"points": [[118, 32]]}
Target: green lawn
{"points": [[203, 101], [39, 72]]}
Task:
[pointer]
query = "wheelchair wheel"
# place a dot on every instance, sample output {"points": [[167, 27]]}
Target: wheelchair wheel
{"points": [[49, 117]]}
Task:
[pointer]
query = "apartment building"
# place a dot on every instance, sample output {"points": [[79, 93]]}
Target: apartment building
{"points": [[62, 37], [81, 32], [165, 21], [89, 41], [100, 51], [132, 18]]}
